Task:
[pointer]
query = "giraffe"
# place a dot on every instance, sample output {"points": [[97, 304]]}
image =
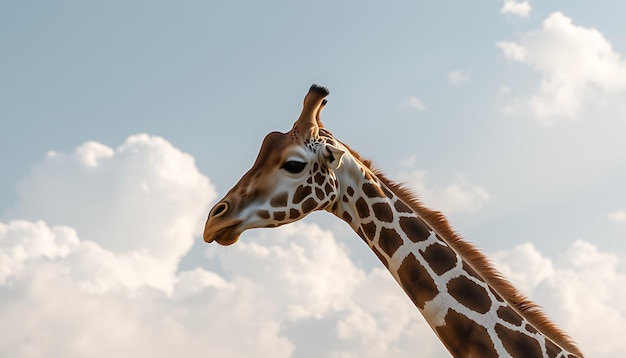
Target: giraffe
{"points": [[473, 310]]}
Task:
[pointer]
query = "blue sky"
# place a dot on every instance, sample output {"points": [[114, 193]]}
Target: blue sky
{"points": [[123, 122]]}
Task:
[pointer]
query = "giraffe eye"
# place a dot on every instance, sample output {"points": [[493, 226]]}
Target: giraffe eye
{"points": [[293, 167]]}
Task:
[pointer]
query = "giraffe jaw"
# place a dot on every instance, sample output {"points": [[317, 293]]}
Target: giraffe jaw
{"points": [[225, 236]]}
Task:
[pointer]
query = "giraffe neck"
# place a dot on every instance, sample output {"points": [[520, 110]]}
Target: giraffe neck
{"points": [[470, 317]]}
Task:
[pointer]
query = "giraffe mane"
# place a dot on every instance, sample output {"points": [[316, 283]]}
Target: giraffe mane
{"points": [[526, 308]]}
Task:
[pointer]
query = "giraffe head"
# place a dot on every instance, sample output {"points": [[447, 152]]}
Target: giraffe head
{"points": [[292, 176]]}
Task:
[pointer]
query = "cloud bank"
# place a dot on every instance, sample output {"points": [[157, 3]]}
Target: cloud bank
{"points": [[144, 199], [581, 288], [73, 289], [578, 68]]}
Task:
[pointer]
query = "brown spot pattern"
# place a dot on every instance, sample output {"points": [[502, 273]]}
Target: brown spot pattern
{"points": [[350, 191], [383, 212], [347, 217], [495, 294], [518, 344], [362, 208], [369, 230], [263, 214], [308, 205], [416, 281], [372, 191], [470, 271], [509, 315], [389, 241], [414, 228], [464, 338], [280, 200], [293, 213], [328, 188], [401, 207], [301, 193], [387, 192], [279, 215], [319, 178], [319, 193], [552, 349], [469, 294], [440, 257]]}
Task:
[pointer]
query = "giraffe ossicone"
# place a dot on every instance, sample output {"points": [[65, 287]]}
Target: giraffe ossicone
{"points": [[473, 310]]}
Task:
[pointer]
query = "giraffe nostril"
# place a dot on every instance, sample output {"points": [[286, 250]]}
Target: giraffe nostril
{"points": [[219, 209]]}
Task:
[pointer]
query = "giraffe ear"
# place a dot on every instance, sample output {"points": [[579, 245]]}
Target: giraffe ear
{"points": [[331, 156]]}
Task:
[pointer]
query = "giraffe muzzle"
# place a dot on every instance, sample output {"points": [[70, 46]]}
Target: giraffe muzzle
{"points": [[225, 236], [219, 227], [219, 209]]}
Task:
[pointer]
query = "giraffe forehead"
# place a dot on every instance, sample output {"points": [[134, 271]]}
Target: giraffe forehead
{"points": [[269, 158], [277, 147], [271, 152]]}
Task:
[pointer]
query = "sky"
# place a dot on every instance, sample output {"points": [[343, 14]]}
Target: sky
{"points": [[123, 122]]}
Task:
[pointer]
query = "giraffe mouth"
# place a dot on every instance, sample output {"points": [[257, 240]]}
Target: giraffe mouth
{"points": [[226, 236]]}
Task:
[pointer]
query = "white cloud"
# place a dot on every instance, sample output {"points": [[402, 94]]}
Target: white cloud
{"points": [[50, 308], [521, 9], [383, 322], [144, 197], [617, 215], [309, 276], [65, 294], [275, 278], [525, 266], [118, 298], [318, 275], [458, 196], [457, 77], [578, 67], [579, 290], [21, 240], [512, 50], [415, 103]]}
